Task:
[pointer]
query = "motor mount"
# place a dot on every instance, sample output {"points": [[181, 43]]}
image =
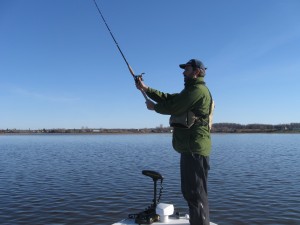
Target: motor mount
{"points": [[149, 215]]}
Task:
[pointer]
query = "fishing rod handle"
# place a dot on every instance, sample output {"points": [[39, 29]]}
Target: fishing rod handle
{"points": [[131, 70], [144, 94]]}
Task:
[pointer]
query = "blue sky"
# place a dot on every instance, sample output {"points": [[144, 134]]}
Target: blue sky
{"points": [[60, 68]]}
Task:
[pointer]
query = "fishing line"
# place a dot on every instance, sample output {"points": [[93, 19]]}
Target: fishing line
{"points": [[135, 77]]}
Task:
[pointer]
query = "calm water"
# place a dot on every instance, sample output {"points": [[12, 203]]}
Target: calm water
{"points": [[97, 179]]}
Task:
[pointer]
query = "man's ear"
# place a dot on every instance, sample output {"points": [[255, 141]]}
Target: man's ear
{"points": [[197, 72], [202, 72]]}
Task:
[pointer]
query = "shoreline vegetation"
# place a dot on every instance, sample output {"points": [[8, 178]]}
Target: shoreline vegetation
{"points": [[216, 128]]}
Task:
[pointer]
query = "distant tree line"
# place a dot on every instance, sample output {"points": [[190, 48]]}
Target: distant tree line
{"points": [[216, 128], [251, 128], [88, 131]]}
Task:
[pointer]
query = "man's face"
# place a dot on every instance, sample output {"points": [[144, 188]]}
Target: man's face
{"points": [[188, 71]]}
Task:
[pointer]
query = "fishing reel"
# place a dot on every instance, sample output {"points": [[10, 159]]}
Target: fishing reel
{"points": [[148, 216], [138, 78]]}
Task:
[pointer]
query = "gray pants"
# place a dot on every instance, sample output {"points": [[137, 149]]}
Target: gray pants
{"points": [[194, 171]]}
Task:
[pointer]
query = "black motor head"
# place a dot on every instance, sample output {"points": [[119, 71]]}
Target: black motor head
{"points": [[153, 174]]}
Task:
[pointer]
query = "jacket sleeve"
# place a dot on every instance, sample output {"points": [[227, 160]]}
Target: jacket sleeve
{"points": [[180, 103], [159, 96]]}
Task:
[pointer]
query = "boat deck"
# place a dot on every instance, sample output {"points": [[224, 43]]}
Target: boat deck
{"points": [[173, 221]]}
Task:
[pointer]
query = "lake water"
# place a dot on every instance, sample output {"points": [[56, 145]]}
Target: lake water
{"points": [[97, 179]]}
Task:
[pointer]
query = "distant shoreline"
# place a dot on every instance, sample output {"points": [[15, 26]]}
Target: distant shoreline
{"points": [[216, 128], [41, 134], [166, 130]]}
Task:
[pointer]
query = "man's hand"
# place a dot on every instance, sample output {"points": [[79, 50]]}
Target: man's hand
{"points": [[140, 85], [150, 104]]}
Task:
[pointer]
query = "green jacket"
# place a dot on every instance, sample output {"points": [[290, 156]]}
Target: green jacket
{"points": [[195, 97]]}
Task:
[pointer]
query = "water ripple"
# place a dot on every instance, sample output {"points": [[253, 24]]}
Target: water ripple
{"points": [[94, 179]]}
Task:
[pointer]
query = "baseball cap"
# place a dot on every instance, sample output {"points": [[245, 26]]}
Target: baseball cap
{"points": [[195, 63]]}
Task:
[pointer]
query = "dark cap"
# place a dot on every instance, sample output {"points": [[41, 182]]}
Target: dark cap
{"points": [[195, 63]]}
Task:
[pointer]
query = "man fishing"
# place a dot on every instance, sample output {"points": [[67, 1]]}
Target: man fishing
{"points": [[190, 112]]}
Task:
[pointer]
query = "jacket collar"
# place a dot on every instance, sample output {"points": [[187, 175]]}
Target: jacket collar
{"points": [[190, 82]]}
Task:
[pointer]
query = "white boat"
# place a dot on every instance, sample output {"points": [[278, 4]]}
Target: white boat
{"points": [[157, 213], [172, 221]]}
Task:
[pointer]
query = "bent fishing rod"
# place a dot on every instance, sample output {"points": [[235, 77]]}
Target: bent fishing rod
{"points": [[136, 78]]}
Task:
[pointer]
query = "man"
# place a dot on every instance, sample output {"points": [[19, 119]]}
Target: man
{"points": [[192, 141]]}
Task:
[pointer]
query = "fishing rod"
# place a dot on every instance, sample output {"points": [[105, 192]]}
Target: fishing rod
{"points": [[136, 78]]}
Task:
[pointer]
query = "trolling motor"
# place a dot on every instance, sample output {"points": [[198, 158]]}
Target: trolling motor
{"points": [[148, 216]]}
